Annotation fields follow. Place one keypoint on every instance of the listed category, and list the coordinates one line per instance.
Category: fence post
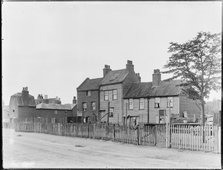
(155, 134)
(168, 139)
(138, 136)
(216, 139)
(88, 130)
(114, 132)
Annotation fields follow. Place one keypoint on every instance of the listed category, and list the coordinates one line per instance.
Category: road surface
(35, 150)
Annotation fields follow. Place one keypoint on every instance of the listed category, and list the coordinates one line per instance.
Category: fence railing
(8, 125)
(180, 136)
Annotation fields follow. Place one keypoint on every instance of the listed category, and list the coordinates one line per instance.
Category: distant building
(45, 99)
(56, 113)
(23, 99)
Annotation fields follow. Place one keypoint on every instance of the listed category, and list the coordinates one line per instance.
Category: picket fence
(176, 136)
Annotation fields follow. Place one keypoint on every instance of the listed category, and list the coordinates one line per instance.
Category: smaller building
(56, 113)
(19, 100)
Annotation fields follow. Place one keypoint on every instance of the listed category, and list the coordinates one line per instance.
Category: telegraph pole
(108, 112)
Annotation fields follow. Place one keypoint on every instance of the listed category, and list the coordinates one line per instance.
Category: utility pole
(108, 112)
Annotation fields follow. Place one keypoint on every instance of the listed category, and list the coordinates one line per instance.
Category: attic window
(88, 93)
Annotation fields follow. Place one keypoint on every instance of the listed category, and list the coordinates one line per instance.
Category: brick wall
(117, 104)
(82, 97)
(154, 112)
(143, 114)
(47, 114)
(26, 113)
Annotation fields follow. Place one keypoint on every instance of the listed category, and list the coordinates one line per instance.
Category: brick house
(150, 102)
(88, 99)
(93, 95)
(19, 100)
(113, 86)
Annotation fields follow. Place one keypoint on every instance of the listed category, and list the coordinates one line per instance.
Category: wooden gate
(153, 134)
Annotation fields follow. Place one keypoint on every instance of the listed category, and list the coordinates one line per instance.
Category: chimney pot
(156, 77)
(106, 70)
(129, 65)
(139, 77)
(74, 100)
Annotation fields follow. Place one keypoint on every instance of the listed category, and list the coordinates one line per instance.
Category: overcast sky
(52, 47)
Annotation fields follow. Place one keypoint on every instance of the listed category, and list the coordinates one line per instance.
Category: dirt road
(34, 150)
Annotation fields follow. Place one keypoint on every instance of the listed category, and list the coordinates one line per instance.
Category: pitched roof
(90, 84)
(30, 101)
(53, 106)
(145, 89)
(115, 76)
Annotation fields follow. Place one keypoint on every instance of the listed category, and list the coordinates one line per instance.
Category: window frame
(106, 91)
(157, 102)
(92, 108)
(83, 108)
(88, 93)
(130, 108)
(115, 94)
(110, 95)
(168, 102)
(141, 103)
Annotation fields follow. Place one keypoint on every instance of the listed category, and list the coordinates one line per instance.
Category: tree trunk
(203, 119)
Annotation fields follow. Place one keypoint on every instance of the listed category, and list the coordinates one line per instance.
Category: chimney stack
(106, 70)
(129, 65)
(139, 77)
(74, 100)
(156, 77)
(25, 91)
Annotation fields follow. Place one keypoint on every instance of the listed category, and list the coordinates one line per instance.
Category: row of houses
(120, 97)
(117, 97)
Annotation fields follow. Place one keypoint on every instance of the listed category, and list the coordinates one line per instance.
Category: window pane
(130, 103)
(157, 100)
(141, 103)
(94, 106)
(170, 102)
(114, 94)
(106, 95)
(84, 105)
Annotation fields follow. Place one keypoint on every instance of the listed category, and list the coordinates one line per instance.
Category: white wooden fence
(191, 137)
